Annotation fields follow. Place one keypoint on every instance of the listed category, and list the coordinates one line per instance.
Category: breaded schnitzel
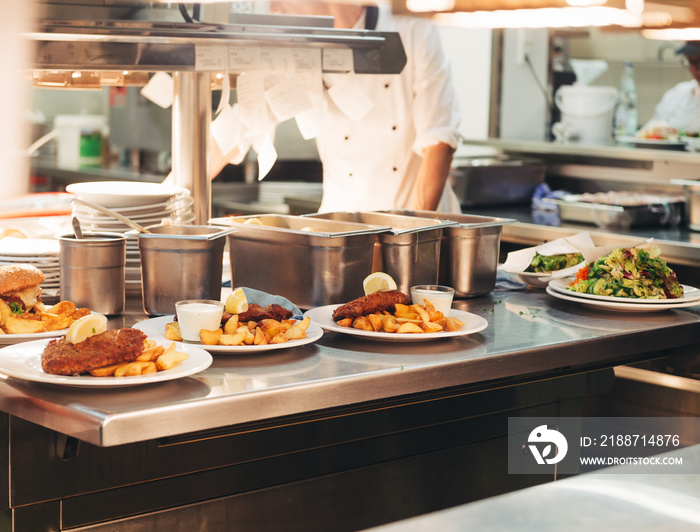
(257, 312)
(104, 349)
(377, 302)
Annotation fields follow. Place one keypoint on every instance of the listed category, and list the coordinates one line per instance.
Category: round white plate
(690, 294)
(621, 306)
(9, 339)
(23, 361)
(323, 316)
(663, 144)
(123, 193)
(155, 328)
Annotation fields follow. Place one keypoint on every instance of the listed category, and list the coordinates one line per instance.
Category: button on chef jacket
(371, 164)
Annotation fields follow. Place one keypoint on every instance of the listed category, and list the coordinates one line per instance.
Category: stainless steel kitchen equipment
(493, 180)
(664, 212)
(92, 271)
(468, 251)
(180, 262)
(692, 196)
(409, 252)
(311, 262)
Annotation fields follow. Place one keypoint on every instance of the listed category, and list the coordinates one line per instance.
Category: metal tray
(468, 252)
(605, 215)
(409, 251)
(311, 262)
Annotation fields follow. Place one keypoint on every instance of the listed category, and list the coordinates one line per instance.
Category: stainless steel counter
(615, 500)
(530, 336)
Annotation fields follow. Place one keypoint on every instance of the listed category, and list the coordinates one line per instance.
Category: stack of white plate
(145, 203)
(39, 252)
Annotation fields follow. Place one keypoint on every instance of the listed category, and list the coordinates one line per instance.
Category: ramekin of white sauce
(194, 315)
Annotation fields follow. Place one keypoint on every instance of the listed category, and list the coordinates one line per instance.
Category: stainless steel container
(495, 180)
(311, 262)
(468, 251)
(92, 271)
(180, 262)
(409, 251)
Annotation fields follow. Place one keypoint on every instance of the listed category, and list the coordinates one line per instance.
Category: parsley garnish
(16, 308)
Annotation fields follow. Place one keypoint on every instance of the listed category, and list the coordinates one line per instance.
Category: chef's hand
(432, 176)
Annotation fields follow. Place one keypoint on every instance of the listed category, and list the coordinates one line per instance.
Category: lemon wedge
(85, 327)
(378, 282)
(236, 302)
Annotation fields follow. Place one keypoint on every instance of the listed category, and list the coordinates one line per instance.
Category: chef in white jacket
(680, 105)
(398, 155)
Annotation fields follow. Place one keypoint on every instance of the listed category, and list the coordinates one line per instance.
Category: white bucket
(79, 140)
(586, 114)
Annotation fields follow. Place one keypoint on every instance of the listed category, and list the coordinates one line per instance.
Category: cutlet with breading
(104, 349)
(257, 312)
(377, 302)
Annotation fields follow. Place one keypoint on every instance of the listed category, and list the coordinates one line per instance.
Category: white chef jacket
(680, 107)
(371, 163)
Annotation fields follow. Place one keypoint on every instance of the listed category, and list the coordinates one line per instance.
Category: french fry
(106, 371)
(172, 331)
(362, 323)
(5, 312)
(431, 327)
(15, 325)
(236, 338)
(231, 325)
(304, 324)
(62, 307)
(170, 360)
(389, 323)
(132, 369)
(451, 324)
(345, 322)
(210, 337)
(409, 327)
(422, 313)
(376, 321)
(151, 354)
(280, 338)
(270, 327)
(261, 338)
(295, 332)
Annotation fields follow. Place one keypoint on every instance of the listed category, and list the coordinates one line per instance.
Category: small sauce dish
(194, 315)
(439, 296)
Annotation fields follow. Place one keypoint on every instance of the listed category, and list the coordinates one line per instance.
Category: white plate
(9, 339)
(123, 193)
(155, 328)
(663, 144)
(620, 306)
(323, 316)
(538, 280)
(690, 294)
(23, 361)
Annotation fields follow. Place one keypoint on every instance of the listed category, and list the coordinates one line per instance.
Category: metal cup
(92, 271)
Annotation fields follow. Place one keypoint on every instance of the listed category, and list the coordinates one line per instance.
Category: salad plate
(323, 317)
(621, 304)
(691, 295)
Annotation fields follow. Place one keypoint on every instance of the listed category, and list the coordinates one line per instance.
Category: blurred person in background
(398, 155)
(680, 105)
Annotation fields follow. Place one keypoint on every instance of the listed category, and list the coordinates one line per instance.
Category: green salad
(629, 272)
(551, 263)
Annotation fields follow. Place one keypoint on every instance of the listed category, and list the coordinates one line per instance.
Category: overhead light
(563, 17)
(673, 34)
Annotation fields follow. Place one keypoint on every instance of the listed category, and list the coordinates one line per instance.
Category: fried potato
(170, 360)
(400, 307)
(389, 323)
(412, 316)
(295, 332)
(345, 322)
(248, 337)
(106, 371)
(132, 369)
(80, 312)
(430, 327)
(151, 353)
(304, 324)
(362, 323)
(270, 327)
(62, 307)
(376, 321)
(409, 327)
(236, 338)
(279, 338)
(16, 325)
(451, 324)
(172, 331)
(5, 312)
(231, 325)
(210, 337)
(261, 338)
(422, 313)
